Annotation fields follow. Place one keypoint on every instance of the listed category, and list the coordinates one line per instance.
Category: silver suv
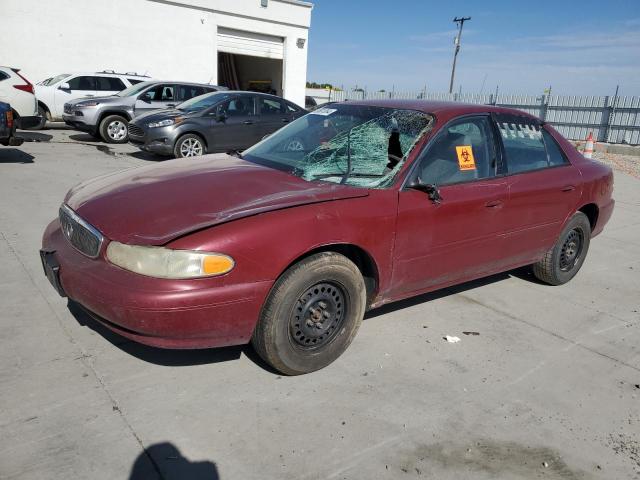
(108, 117)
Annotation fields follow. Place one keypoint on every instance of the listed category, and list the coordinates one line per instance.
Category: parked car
(289, 248)
(54, 92)
(8, 126)
(108, 117)
(216, 122)
(17, 91)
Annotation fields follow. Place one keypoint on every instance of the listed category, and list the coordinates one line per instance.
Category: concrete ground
(550, 388)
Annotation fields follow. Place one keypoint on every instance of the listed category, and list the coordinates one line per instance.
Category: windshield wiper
(342, 174)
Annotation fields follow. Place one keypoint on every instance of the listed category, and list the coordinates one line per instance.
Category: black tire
(189, 145)
(563, 261)
(113, 129)
(285, 339)
(44, 115)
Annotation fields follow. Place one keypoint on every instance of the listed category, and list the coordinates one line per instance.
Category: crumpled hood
(153, 205)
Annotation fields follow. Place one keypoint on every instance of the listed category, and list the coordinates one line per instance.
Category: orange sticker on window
(465, 158)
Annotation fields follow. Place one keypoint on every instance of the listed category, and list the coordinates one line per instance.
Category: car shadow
(147, 156)
(164, 461)
(162, 356)
(85, 138)
(13, 155)
(28, 136)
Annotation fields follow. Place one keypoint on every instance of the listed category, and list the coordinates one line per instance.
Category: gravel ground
(625, 163)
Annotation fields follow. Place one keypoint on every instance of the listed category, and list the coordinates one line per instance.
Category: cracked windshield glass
(357, 145)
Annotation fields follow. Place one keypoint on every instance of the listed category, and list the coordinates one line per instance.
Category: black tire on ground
(113, 129)
(44, 115)
(563, 261)
(189, 145)
(311, 315)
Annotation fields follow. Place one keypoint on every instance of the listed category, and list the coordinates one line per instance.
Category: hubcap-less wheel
(571, 249)
(317, 316)
(191, 147)
(117, 130)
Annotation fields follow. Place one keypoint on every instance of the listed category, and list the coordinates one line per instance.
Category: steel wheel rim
(318, 316)
(191, 148)
(117, 130)
(571, 249)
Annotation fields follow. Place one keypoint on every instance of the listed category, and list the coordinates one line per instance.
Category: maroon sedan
(350, 207)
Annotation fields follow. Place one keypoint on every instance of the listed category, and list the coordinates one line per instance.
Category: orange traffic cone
(588, 148)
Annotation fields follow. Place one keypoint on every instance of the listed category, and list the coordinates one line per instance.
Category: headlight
(165, 123)
(163, 262)
(90, 103)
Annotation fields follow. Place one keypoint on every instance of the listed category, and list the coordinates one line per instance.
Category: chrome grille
(135, 130)
(67, 108)
(84, 238)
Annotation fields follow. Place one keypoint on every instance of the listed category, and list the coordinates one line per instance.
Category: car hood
(153, 205)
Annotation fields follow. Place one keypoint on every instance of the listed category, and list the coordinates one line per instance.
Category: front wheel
(189, 145)
(311, 315)
(563, 261)
(114, 129)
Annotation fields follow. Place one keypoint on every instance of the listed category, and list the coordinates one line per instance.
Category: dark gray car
(107, 117)
(215, 122)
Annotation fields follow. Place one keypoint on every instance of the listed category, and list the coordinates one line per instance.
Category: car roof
(451, 109)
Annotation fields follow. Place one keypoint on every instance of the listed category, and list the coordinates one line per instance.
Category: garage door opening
(246, 72)
(250, 61)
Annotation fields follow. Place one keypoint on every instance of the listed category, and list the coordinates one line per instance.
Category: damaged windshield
(358, 145)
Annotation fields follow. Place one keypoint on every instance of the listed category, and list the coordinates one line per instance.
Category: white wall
(48, 37)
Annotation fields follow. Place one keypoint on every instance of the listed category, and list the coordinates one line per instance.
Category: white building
(239, 43)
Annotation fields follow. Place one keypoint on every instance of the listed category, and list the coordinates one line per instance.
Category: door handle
(248, 122)
(569, 188)
(493, 204)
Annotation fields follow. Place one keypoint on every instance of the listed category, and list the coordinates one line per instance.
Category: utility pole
(460, 22)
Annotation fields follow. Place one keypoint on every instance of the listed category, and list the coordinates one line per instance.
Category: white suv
(54, 92)
(17, 91)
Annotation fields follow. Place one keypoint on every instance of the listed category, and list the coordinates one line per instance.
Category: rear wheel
(563, 261)
(189, 145)
(43, 114)
(311, 315)
(113, 129)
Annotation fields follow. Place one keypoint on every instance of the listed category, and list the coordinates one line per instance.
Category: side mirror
(171, 105)
(221, 116)
(64, 86)
(145, 97)
(429, 188)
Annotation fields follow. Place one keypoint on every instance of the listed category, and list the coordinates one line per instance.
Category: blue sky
(578, 47)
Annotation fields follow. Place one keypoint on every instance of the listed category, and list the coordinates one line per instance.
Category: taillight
(25, 88)
(9, 116)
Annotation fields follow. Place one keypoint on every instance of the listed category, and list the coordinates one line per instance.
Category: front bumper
(155, 140)
(198, 313)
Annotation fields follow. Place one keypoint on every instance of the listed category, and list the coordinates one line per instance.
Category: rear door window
(82, 83)
(464, 151)
(109, 84)
(523, 145)
(187, 92)
(554, 153)
(271, 106)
